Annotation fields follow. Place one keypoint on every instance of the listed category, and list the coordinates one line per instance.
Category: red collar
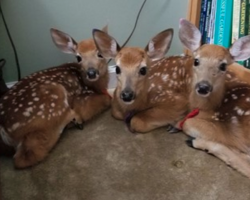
(105, 91)
(192, 114)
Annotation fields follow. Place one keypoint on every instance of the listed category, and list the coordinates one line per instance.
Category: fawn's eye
(196, 62)
(79, 58)
(99, 55)
(223, 67)
(117, 70)
(143, 71)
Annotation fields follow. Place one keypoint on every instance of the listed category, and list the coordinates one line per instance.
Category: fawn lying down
(35, 111)
(152, 91)
(223, 122)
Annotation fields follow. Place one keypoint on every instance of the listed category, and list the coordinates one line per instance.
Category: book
(203, 19)
(207, 21)
(247, 27)
(210, 34)
(223, 23)
(236, 20)
(242, 23)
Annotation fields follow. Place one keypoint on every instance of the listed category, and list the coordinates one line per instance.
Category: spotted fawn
(35, 111)
(223, 122)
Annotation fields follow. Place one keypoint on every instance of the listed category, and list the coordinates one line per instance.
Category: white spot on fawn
(234, 119)
(234, 96)
(164, 77)
(247, 113)
(15, 126)
(26, 114)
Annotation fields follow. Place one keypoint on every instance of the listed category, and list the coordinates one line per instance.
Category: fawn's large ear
(240, 49)
(106, 44)
(189, 35)
(105, 29)
(159, 45)
(63, 41)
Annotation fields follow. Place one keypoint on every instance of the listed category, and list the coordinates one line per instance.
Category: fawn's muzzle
(127, 95)
(92, 73)
(203, 88)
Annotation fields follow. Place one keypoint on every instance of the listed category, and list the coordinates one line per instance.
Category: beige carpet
(106, 162)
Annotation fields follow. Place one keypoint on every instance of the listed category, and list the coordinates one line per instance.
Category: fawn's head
(210, 61)
(92, 62)
(132, 63)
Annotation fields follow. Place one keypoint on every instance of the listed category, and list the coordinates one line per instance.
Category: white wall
(30, 20)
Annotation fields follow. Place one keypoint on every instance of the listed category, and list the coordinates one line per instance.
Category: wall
(29, 23)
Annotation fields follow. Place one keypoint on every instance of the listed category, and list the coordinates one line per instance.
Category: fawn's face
(209, 68)
(131, 62)
(92, 62)
(131, 70)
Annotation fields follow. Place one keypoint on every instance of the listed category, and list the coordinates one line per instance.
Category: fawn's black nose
(92, 73)
(127, 95)
(203, 88)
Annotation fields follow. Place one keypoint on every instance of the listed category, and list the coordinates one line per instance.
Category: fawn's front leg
(88, 106)
(153, 118)
(202, 128)
(116, 110)
(234, 158)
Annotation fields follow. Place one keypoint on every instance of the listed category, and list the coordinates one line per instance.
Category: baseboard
(10, 84)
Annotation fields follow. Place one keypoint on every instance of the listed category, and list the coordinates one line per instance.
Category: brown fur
(161, 96)
(35, 111)
(222, 125)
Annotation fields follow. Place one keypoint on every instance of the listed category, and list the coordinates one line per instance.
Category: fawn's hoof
(80, 126)
(189, 142)
(172, 129)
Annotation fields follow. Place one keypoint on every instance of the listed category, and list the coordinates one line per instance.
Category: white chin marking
(128, 103)
(203, 95)
(93, 79)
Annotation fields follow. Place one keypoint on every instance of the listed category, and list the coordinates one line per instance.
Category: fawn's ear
(159, 45)
(240, 49)
(105, 29)
(189, 35)
(63, 41)
(106, 44)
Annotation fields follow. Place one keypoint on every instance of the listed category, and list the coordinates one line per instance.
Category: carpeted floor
(106, 162)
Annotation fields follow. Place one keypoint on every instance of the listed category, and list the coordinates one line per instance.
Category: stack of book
(224, 21)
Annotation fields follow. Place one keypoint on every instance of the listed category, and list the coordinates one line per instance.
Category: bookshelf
(229, 19)
(194, 7)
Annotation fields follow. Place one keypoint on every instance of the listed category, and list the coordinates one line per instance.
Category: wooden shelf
(194, 11)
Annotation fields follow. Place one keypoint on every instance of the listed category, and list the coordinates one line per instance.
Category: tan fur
(161, 95)
(226, 107)
(222, 125)
(35, 111)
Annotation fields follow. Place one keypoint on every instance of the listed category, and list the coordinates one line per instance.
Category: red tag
(190, 115)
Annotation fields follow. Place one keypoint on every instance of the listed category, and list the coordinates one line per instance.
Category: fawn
(35, 111)
(152, 91)
(222, 123)
(148, 94)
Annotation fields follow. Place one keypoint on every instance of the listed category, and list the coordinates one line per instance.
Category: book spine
(203, 18)
(242, 23)
(207, 21)
(247, 62)
(210, 39)
(236, 20)
(223, 23)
